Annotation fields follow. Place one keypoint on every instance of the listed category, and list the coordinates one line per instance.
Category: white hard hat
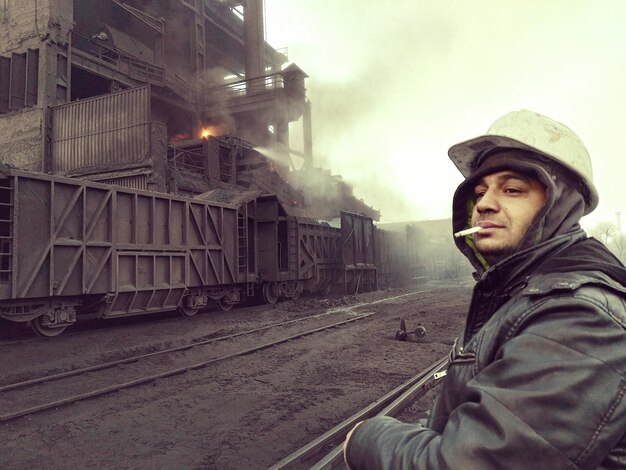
(530, 131)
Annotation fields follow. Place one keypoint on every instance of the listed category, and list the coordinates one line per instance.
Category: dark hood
(560, 215)
(587, 255)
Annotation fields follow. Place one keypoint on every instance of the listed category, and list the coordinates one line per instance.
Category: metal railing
(190, 160)
(136, 69)
(253, 86)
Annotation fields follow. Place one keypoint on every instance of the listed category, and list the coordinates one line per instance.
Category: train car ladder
(294, 246)
(242, 242)
(6, 231)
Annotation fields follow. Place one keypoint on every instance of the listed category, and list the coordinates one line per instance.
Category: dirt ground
(247, 412)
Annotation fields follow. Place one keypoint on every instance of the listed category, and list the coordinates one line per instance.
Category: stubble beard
(497, 253)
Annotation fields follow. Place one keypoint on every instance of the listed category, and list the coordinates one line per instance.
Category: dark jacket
(538, 379)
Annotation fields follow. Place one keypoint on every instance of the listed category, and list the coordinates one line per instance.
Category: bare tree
(604, 232)
(610, 236)
(619, 246)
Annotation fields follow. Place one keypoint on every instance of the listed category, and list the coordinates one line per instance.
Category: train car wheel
(268, 294)
(224, 305)
(188, 311)
(45, 330)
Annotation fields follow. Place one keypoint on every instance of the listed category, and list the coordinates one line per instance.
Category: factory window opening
(19, 76)
(86, 84)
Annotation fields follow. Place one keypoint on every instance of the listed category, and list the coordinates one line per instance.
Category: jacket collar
(508, 277)
(503, 276)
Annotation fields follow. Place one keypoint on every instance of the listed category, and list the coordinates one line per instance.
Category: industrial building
(177, 96)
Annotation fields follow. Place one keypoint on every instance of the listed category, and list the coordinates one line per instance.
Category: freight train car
(397, 259)
(70, 247)
(299, 254)
(296, 254)
(358, 252)
(391, 258)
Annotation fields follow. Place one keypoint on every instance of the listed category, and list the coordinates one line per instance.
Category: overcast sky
(395, 84)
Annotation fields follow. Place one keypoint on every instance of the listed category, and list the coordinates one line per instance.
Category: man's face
(506, 204)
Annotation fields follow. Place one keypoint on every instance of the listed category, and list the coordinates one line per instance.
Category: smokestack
(254, 37)
(307, 135)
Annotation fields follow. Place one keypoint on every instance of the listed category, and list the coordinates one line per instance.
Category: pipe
(254, 38)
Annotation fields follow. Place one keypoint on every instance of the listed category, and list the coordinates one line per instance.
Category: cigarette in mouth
(468, 231)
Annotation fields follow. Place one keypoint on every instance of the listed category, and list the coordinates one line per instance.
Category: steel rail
(179, 370)
(334, 459)
(390, 404)
(128, 360)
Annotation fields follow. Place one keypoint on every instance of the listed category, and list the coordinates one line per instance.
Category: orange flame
(211, 131)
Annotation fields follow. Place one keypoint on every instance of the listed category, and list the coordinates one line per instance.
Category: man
(537, 381)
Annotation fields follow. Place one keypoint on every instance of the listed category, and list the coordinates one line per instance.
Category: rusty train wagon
(70, 247)
(299, 254)
(296, 253)
(394, 255)
(358, 253)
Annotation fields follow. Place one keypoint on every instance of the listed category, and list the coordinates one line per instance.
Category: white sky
(395, 84)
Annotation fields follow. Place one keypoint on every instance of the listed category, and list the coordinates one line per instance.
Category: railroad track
(93, 323)
(391, 404)
(42, 393)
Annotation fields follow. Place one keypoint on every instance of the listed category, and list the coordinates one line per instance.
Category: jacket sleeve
(550, 397)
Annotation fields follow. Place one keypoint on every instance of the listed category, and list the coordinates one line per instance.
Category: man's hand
(345, 443)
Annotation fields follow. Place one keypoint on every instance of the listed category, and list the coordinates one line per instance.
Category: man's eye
(479, 194)
(512, 190)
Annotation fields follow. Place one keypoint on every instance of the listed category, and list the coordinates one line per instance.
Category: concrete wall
(21, 139)
(32, 24)
(26, 23)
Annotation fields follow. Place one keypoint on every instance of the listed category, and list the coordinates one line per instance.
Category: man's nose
(488, 202)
